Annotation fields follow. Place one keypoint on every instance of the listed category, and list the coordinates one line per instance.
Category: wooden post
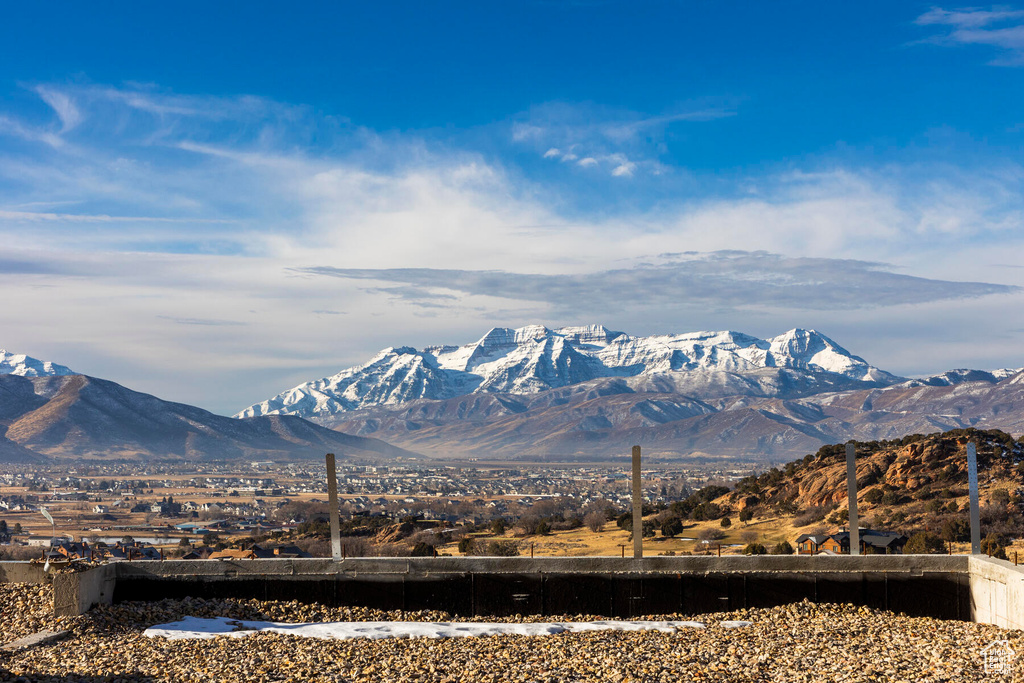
(851, 494)
(332, 499)
(638, 510)
(972, 485)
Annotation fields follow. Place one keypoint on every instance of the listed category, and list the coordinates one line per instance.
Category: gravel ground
(799, 642)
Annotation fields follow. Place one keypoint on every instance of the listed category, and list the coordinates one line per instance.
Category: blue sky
(215, 201)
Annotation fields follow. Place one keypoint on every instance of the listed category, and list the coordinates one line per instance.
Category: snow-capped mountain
(26, 366)
(534, 359)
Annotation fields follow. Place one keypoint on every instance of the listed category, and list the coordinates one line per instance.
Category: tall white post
(332, 500)
(851, 494)
(638, 508)
(972, 485)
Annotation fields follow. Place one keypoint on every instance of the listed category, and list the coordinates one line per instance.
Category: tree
(595, 521)
(184, 543)
(783, 548)
(746, 515)
(17, 528)
(726, 523)
(466, 545)
(923, 543)
(671, 527)
(3, 526)
(755, 549)
(957, 530)
(498, 526)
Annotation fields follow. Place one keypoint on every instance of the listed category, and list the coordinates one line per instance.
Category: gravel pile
(799, 642)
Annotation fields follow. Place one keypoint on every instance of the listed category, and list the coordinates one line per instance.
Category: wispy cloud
(63, 104)
(998, 27)
(722, 279)
(589, 136)
(201, 321)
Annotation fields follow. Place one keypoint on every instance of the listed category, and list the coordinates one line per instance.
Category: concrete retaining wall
(935, 586)
(950, 587)
(21, 572)
(997, 592)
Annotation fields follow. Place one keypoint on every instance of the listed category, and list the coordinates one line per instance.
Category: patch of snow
(197, 627)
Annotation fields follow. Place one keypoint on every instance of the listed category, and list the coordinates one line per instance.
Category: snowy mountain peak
(26, 366)
(534, 359)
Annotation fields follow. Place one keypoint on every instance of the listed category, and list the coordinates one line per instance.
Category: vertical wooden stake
(332, 499)
(638, 514)
(972, 485)
(851, 493)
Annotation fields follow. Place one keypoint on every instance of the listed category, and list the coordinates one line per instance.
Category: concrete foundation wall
(79, 592)
(950, 587)
(935, 586)
(997, 592)
(21, 572)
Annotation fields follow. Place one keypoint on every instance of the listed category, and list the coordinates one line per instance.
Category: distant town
(120, 509)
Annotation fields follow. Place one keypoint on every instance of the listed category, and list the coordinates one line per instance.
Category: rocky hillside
(910, 481)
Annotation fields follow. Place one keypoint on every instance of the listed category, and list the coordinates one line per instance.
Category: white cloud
(997, 27)
(603, 135)
(63, 104)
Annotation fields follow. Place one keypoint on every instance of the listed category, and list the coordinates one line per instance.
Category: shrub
(726, 523)
(503, 548)
(811, 515)
(873, 496)
(466, 545)
(993, 546)
(891, 498)
(422, 549)
(999, 497)
(783, 548)
(755, 549)
(924, 542)
(711, 534)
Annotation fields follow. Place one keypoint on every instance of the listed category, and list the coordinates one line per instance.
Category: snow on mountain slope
(535, 359)
(26, 366)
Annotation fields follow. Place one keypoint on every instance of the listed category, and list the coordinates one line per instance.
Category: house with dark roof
(872, 541)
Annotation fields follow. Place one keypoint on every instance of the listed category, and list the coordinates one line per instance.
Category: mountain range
(571, 393)
(76, 416)
(590, 393)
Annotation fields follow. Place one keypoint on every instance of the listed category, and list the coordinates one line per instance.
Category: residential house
(872, 541)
